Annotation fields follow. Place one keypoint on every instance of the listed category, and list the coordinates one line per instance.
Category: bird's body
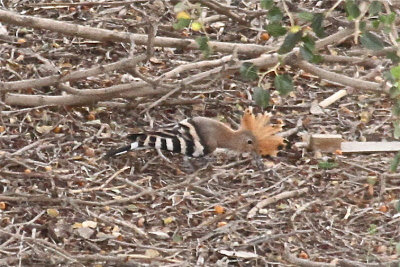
(199, 136)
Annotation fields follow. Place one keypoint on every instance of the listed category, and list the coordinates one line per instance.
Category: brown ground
(61, 204)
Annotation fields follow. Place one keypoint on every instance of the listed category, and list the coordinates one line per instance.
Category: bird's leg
(196, 164)
(258, 161)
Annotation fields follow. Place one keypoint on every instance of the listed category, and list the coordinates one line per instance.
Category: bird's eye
(249, 142)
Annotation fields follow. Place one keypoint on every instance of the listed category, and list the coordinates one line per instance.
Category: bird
(199, 136)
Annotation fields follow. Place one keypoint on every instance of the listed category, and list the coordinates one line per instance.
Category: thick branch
(112, 36)
(70, 100)
(338, 78)
(73, 76)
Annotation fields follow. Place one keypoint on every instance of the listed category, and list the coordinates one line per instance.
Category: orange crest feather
(268, 143)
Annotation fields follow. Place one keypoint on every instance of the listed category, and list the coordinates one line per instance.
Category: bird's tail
(136, 143)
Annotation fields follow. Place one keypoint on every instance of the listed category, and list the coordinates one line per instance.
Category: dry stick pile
(60, 197)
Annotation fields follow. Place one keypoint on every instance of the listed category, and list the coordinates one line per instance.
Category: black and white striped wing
(183, 138)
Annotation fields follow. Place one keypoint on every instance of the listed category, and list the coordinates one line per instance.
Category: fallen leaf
(168, 220)
(221, 224)
(159, 234)
(85, 232)
(152, 253)
(383, 208)
(219, 209)
(303, 255)
(48, 168)
(53, 213)
(77, 225)
(3, 205)
(44, 129)
(264, 36)
(90, 224)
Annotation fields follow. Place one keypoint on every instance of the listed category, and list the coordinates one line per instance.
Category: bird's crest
(263, 131)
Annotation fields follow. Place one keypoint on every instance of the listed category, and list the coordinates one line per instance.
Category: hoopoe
(200, 136)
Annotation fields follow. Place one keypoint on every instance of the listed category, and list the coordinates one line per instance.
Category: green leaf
(363, 26)
(395, 162)
(317, 59)
(352, 10)
(397, 206)
(306, 16)
(306, 53)
(326, 165)
(394, 91)
(388, 76)
(372, 229)
(275, 14)
(393, 57)
(261, 97)
(249, 71)
(375, 23)
(202, 42)
(395, 71)
(284, 84)
(371, 180)
(177, 238)
(396, 111)
(267, 4)
(275, 29)
(290, 41)
(387, 19)
(371, 41)
(375, 8)
(316, 24)
(396, 132)
(308, 42)
(181, 24)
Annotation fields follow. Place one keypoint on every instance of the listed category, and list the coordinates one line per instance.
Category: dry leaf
(219, 209)
(48, 168)
(77, 225)
(152, 253)
(85, 232)
(168, 220)
(381, 249)
(383, 208)
(90, 224)
(91, 116)
(365, 116)
(221, 224)
(57, 129)
(303, 255)
(44, 129)
(89, 152)
(159, 234)
(155, 60)
(3, 205)
(53, 213)
(264, 36)
(141, 222)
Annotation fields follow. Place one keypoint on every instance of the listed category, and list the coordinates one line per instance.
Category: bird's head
(258, 135)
